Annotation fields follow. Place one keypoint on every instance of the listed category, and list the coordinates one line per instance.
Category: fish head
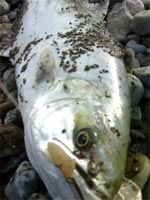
(75, 136)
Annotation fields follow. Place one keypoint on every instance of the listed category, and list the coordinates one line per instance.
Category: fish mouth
(72, 170)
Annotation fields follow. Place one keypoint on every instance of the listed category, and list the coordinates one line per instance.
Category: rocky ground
(129, 22)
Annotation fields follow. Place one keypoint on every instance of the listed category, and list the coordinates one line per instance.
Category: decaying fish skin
(74, 98)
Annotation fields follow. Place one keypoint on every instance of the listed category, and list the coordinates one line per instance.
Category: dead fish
(73, 97)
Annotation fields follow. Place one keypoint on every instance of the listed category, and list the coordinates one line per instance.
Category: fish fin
(46, 67)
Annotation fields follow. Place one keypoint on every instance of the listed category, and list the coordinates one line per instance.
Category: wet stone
(4, 27)
(140, 23)
(143, 73)
(134, 37)
(4, 7)
(136, 117)
(23, 183)
(4, 19)
(13, 116)
(136, 89)
(138, 48)
(12, 141)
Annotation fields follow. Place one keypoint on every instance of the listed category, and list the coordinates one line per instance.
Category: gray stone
(10, 83)
(146, 4)
(13, 116)
(130, 61)
(141, 23)
(136, 117)
(4, 27)
(23, 183)
(4, 7)
(12, 15)
(138, 48)
(133, 37)
(145, 40)
(9, 72)
(136, 89)
(4, 19)
(143, 73)
(118, 23)
(134, 6)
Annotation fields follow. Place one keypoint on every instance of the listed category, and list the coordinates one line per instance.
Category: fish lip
(85, 176)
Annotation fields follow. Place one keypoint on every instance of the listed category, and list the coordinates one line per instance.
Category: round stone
(141, 23)
(136, 89)
(138, 48)
(4, 7)
(133, 37)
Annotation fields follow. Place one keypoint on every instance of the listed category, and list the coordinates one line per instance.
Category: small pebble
(143, 73)
(4, 7)
(23, 183)
(138, 48)
(4, 27)
(12, 15)
(4, 19)
(13, 116)
(136, 89)
(141, 23)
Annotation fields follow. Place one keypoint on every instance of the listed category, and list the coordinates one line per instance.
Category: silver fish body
(73, 97)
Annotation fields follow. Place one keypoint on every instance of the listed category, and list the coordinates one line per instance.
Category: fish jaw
(55, 124)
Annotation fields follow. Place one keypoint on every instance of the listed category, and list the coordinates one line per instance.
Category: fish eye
(84, 139)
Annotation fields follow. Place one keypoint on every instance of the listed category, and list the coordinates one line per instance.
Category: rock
(11, 139)
(136, 117)
(137, 134)
(136, 89)
(118, 23)
(134, 6)
(14, 117)
(141, 22)
(119, 18)
(12, 15)
(10, 83)
(134, 37)
(128, 190)
(138, 169)
(143, 73)
(146, 4)
(145, 40)
(5, 107)
(4, 7)
(23, 183)
(138, 48)
(4, 19)
(130, 60)
(140, 57)
(38, 196)
(4, 28)
(9, 72)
